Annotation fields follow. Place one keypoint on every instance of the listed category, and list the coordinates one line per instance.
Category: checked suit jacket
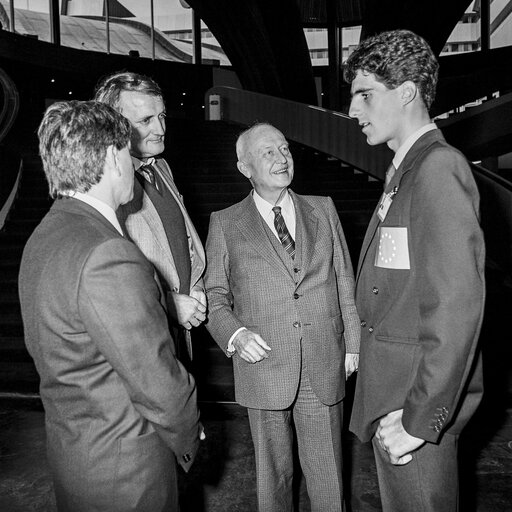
(303, 308)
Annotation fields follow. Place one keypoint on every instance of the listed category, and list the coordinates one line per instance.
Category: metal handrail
(11, 104)
(325, 130)
(338, 135)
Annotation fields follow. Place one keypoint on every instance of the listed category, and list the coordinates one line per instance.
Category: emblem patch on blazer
(393, 250)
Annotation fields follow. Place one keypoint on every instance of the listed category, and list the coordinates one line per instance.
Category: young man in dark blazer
(120, 409)
(280, 290)
(420, 282)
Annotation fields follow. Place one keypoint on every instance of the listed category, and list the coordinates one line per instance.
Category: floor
(223, 477)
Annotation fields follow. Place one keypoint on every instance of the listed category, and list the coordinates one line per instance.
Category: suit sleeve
(222, 322)
(119, 305)
(447, 244)
(346, 284)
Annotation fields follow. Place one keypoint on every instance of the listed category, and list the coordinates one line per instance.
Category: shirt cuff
(231, 350)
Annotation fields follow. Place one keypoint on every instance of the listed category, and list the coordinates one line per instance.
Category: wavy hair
(395, 57)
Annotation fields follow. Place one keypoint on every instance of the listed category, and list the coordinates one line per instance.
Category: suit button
(296, 324)
(363, 323)
(370, 329)
(296, 269)
(375, 290)
(296, 295)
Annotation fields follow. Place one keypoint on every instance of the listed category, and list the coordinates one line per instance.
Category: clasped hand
(394, 440)
(189, 310)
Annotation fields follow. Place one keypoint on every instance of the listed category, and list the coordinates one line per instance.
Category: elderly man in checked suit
(156, 219)
(280, 288)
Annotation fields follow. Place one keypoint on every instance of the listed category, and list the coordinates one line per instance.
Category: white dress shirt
(404, 148)
(287, 211)
(101, 207)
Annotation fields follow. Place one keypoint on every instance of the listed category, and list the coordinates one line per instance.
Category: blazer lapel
(199, 258)
(407, 164)
(250, 224)
(306, 229)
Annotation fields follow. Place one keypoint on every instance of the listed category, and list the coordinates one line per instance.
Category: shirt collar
(138, 163)
(265, 208)
(101, 207)
(407, 145)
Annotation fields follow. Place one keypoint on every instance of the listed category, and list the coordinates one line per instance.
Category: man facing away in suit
(120, 408)
(420, 282)
(280, 290)
(156, 219)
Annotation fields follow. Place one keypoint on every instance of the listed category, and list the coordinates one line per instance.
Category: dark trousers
(429, 483)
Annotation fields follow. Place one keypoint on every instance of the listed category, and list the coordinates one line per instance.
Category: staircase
(202, 156)
(17, 371)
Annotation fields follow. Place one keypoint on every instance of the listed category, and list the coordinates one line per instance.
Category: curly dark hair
(395, 57)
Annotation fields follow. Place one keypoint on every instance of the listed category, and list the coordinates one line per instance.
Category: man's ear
(409, 91)
(111, 159)
(244, 169)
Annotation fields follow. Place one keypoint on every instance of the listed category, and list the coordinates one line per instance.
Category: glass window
(83, 26)
(316, 39)
(465, 37)
(501, 23)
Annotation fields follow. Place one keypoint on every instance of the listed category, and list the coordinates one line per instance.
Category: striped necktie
(389, 174)
(149, 173)
(284, 235)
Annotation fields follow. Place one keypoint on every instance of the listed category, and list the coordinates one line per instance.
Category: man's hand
(250, 346)
(187, 310)
(394, 440)
(198, 294)
(351, 364)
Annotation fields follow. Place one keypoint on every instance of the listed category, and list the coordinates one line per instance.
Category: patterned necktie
(389, 174)
(149, 173)
(284, 235)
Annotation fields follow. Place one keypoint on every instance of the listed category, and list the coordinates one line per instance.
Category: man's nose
(159, 126)
(282, 157)
(353, 111)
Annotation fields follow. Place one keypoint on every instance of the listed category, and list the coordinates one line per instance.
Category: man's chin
(150, 150)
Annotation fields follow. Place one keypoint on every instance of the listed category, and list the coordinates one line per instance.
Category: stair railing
(338, 135)
(8, 111)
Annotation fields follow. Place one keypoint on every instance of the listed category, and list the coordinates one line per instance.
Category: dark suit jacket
(115, 397)
(303, 304)
(421, 325)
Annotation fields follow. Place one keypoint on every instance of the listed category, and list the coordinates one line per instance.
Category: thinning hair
(243, 138)
(73, 141)
(109, 88)
(395, 57)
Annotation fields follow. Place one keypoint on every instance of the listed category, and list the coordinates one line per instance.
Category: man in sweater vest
(156, 218)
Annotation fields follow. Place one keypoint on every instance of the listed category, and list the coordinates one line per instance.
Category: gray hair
(73, 141)
(110, 87)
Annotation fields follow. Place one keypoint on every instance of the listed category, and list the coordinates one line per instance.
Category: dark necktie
(389, 174)
(284, 235)
(150, 175)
